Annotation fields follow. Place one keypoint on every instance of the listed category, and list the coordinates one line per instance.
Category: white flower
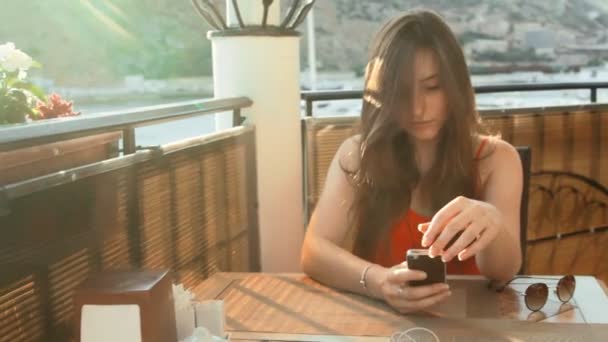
(6, 49)
(16, 60)
(22, 74)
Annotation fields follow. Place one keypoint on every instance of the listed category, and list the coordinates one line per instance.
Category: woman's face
(429, 110)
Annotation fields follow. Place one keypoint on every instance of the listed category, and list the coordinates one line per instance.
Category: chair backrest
(525, 154)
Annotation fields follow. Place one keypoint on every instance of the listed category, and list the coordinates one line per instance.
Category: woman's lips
(421, 123)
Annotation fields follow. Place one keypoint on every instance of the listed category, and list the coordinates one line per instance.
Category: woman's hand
(395, 291)
(477, 223)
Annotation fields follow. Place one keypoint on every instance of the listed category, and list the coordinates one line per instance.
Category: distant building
(545, 52)
(492, 25)
(540, 39)
(566, 36)
(521, 28)
(486, 45)
(591, 51)
(573, 59)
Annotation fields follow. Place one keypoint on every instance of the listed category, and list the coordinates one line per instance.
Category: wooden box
(106, 304)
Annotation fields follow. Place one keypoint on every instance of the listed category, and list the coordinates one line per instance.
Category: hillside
(344, 28)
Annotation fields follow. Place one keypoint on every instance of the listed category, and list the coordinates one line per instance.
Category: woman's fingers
(423, 227)
(430, 301)
(414, 293)
(468, 236)
(400, 276)
(476, 247)
(454, 227)
(441, 218)
(398, 294)
(405, 305)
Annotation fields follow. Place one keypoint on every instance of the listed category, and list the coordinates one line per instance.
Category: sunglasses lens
(565, 288)
(536, 296)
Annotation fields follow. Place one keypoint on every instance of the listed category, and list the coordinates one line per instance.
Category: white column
(266, 69)
(252, 12)
(312, 57)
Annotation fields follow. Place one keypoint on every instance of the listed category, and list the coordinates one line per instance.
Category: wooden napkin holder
(147, 292)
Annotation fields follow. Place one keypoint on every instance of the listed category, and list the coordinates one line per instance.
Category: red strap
(480, 148)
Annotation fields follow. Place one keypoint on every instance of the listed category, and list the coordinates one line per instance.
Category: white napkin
(198, 321)
(184, 311)
(210, 314)
(100, 323)
(201, 334)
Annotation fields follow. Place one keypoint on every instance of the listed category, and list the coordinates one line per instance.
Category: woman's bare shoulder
(496, 152)
(348, 154)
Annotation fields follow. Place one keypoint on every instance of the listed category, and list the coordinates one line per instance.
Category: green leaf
(38, 92)
(32, 88)
(36, 64)
(12, 74)
(18, 96)
(14, 82)
(15, 111)
(35, 114)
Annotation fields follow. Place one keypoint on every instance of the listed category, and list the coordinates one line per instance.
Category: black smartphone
(419, 259)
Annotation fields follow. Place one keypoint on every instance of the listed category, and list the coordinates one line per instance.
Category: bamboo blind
(189, 211)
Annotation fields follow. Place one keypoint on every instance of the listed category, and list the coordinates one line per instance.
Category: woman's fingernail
(445, 258)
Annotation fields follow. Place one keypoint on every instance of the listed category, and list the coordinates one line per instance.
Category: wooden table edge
(261, 336)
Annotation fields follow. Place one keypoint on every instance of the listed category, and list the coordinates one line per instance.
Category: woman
(418, 175)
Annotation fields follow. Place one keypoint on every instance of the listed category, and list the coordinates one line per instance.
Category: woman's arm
(323, 258)
(491, 227)
(501, 259)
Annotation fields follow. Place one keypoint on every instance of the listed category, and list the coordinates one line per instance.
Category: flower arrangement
(55, 107)
(20, 100)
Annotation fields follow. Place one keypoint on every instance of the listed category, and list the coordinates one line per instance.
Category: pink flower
(55, 107)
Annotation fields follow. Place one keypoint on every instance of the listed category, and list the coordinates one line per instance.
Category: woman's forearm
(332, 265)
(501, 259)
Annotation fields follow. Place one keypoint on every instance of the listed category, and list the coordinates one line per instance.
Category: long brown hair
(387, 172)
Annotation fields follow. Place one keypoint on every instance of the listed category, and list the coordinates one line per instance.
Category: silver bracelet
(363, 280)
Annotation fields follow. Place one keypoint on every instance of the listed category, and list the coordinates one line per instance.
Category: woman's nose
(419, 106)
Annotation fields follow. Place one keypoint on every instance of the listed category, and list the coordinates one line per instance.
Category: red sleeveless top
(404, 235)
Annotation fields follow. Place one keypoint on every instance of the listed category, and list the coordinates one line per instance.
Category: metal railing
(314, 96)
(18, 136)
(31, 134)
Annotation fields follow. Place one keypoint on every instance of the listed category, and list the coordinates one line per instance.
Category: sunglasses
(536, 294)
